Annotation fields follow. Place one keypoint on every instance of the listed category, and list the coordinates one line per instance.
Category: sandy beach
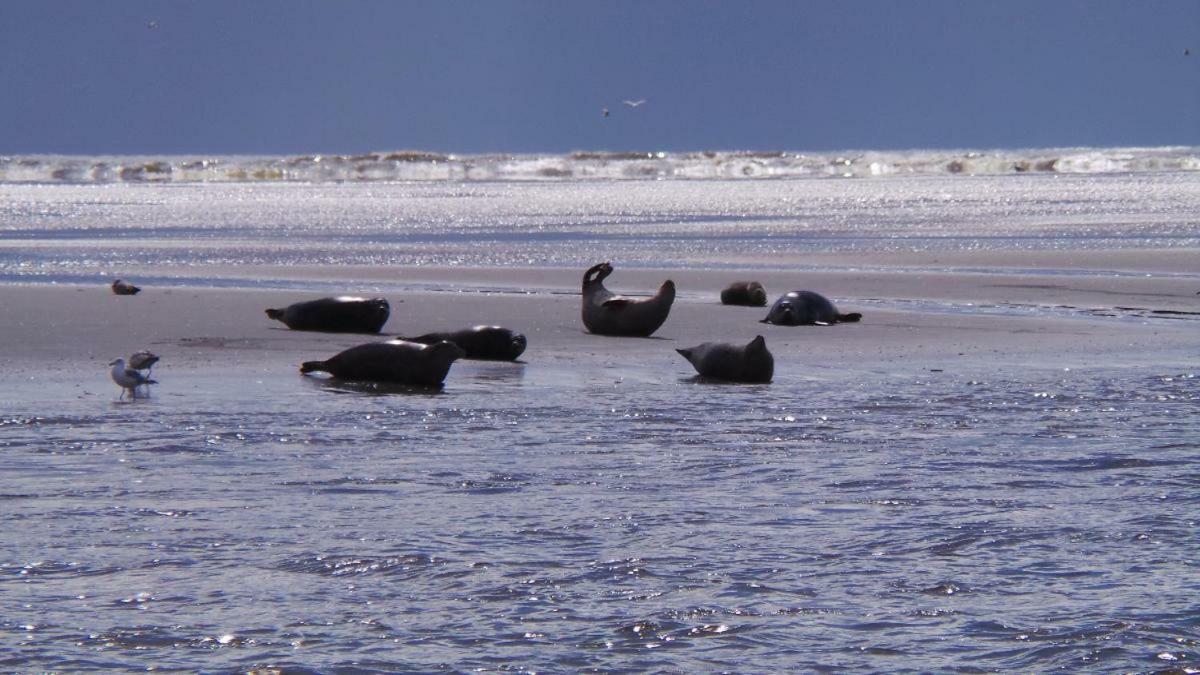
(1130, 311)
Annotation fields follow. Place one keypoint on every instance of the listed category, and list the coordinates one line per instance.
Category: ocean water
(546, 517)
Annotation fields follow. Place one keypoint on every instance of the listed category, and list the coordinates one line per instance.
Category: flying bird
(604, 111)
(634, 104)
(128, 379)
(152, 25)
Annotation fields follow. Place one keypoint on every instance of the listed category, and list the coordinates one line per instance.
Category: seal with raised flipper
(606, 313)
(396, 361)
(747, 293)
(751, 362)
(489, 343)
(806, 308)
(343, 314)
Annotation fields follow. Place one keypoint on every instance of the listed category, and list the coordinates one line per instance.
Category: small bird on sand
(129, 379)
(122, 288)
(634, 104)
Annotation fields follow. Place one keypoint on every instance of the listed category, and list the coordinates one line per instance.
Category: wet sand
(1112, 314)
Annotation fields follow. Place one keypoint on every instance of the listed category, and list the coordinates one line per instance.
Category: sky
(523, 76)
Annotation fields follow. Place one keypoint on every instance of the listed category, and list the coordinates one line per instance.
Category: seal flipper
(276, 314)
(849, 318)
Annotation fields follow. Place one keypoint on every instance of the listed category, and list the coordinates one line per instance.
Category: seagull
(143, 360)
(121, 288)
(634, 104)
(128, 378)
(605, 111)
(152, 25)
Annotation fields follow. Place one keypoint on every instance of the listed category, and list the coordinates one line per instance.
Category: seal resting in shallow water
(806, 308)
(335, 315)
(736, 363)
(490, 343)
(606, 313)
(395, 361)
(748, 293)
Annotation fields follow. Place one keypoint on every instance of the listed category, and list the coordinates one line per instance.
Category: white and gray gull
(128, 378)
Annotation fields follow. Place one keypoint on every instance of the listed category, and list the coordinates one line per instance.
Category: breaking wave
(584, 166)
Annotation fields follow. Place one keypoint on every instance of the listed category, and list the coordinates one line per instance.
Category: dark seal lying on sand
(606, 313)
(735, 363)
(335, 315)
(124, 288)
(394, 361)
(747, 293)
(489, 343)
(806, 308)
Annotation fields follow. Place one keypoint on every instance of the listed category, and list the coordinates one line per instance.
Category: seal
(335, 315)
(488, 343)
(748, 293)
(806, 308)
(395, 361)
(725, 361)
(124, 288)
(605, 313)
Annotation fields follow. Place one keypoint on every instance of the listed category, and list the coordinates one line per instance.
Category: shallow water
(543, 516)
(79, 233)
(534, 517)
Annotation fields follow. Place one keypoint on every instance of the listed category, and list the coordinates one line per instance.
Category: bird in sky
(604, 111)
(634, 104)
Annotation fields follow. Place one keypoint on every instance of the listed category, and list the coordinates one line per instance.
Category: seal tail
(849, 318)
(310, 366)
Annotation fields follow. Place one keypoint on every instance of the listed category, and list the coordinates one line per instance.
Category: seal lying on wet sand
(335, 315)
(806, 308)
(392, 361)
(124, 288)
(724, 361)
(491, 343)
(748, 293)
(606, 313)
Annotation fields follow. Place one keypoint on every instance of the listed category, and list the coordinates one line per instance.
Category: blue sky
(92, 77)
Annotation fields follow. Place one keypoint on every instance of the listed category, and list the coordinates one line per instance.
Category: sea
(535, 518)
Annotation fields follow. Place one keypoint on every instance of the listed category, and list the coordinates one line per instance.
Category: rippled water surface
(79, 232)
(543, 516)
(540, 519)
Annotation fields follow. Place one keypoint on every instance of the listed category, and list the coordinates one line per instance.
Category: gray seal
(734, 363)
(605, 313)
(395, 361)
(124, 288)
(335, 315)
(488, 343)
(747, 293)
(806, 308)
